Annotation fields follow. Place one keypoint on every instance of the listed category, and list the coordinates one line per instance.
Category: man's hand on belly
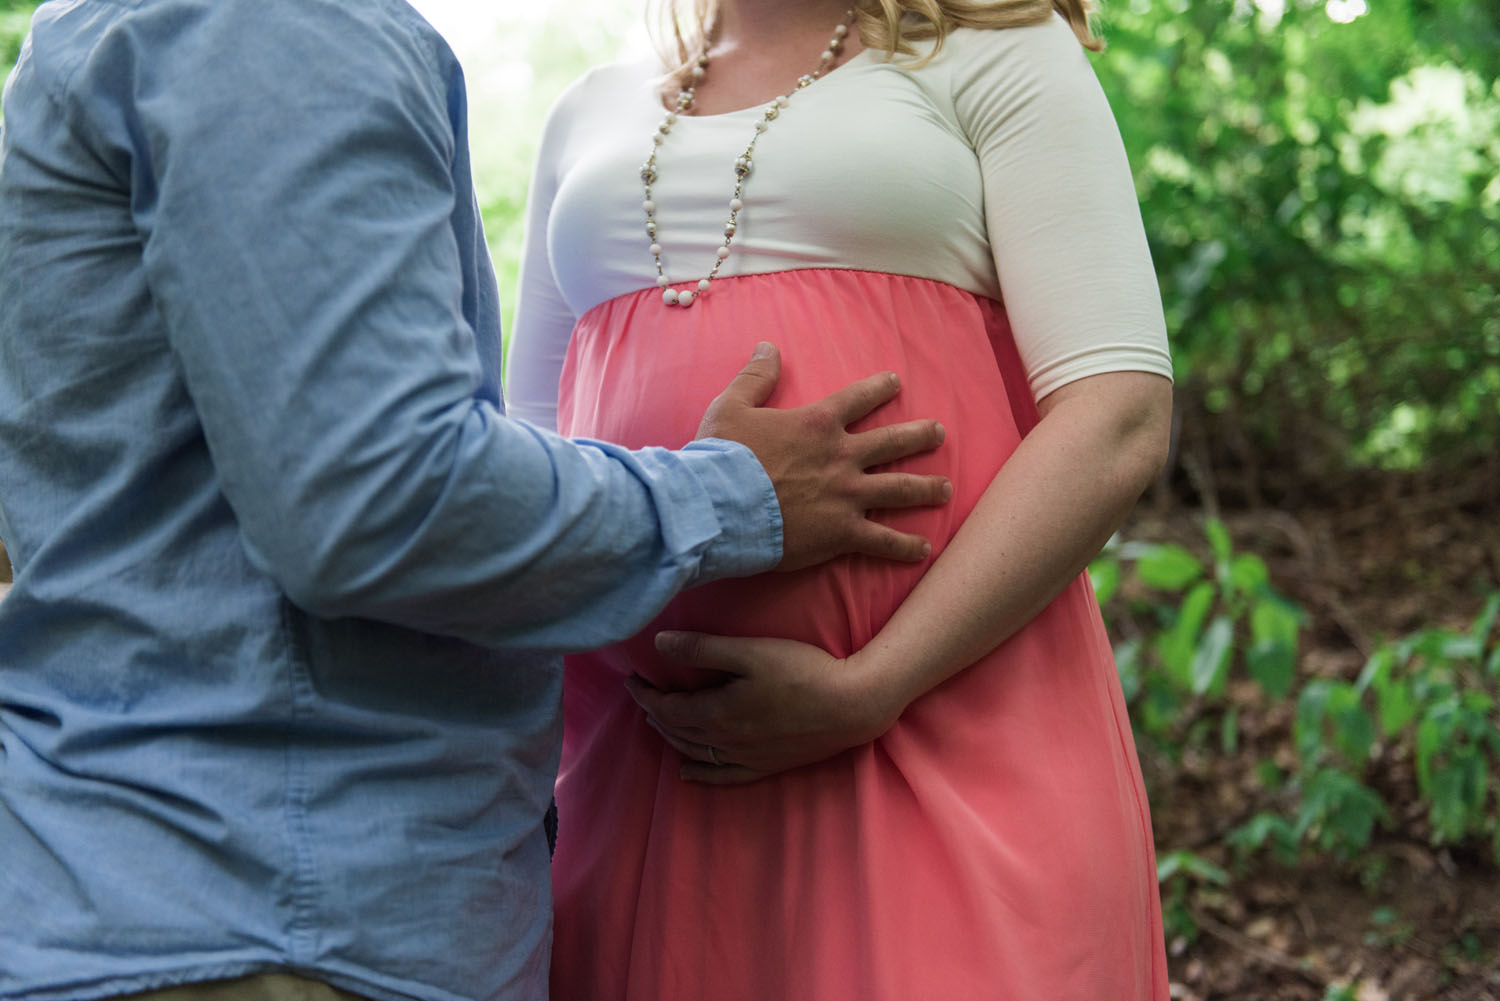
(821, 471)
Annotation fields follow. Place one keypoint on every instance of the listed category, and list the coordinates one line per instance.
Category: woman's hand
(787, 704)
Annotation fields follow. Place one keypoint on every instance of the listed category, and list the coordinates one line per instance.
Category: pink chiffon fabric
(995, 844)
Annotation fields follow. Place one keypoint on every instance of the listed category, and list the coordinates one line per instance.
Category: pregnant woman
(937, 188)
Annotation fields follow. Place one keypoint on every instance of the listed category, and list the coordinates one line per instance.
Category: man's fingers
(753, 386)
(878, 446)
(888, 544)
(898, 490)
(858, 399)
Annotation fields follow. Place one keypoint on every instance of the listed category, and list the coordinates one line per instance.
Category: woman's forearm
(1050, 509)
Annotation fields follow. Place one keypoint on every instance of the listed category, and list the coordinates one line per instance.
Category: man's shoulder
(226, 32)
(113, 52)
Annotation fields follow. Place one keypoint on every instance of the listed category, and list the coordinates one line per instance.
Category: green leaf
(1448, 812)
(1248, 574)
(1168, 567)
(1211, 661)
(1128, 664)
(1486, 619)
(1263, 829)
(1104, 574)
(1274, 665)
(1340, 811)
(1433, 645)
(1429, 743)
(1307, 728)
(1274, 619)
(1190, 864)
(1460, 647)
(1269, 774)
(1229, 731)
(1178, 646)
(1218, 541)
(1354, 733)
(1377, 670)
(1396, 708)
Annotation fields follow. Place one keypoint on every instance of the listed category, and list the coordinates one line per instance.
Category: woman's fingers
(717, 775)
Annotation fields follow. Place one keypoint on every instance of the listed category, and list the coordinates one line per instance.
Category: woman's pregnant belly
(641, 374)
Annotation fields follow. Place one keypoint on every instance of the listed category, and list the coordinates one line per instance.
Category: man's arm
(292, 177)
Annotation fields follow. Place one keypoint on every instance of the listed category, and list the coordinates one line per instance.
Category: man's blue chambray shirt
(272, 688)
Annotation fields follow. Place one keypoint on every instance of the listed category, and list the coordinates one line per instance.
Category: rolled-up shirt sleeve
(297, 216)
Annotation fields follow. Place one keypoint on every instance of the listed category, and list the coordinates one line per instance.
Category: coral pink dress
(996, 842)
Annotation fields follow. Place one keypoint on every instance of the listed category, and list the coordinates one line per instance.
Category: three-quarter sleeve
(1060, 208)
(544, 323)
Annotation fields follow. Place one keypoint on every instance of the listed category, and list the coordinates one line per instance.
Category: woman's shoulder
(1044, 41)
(1043, 49)
(996, 71)
(606, 88)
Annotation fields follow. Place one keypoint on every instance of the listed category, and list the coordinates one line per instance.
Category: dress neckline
(760, 106)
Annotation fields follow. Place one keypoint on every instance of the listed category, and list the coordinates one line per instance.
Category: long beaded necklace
(742, 165)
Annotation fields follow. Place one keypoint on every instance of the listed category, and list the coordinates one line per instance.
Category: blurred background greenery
(1318, 180)
(1304, 608)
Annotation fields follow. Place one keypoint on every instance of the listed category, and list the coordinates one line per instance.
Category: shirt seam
(302, 934)
(842, 269)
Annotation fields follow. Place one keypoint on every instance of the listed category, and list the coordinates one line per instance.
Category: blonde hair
(892, 25)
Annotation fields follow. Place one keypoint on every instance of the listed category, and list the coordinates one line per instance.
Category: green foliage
(1182, 876)
(1438, 685)
(1387, 928)
(15, 19)
(1191, 626)
(1324, 214)
(1320, 199)
(526, 64)
(1221, 614)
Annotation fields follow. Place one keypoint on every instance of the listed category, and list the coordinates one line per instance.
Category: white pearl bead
(649, 206)
(702, 285)
(841, 30)
(827, 55)
(663, 281)
(761, 126)
(723, 253)
(671, 118)
(658, 138)
(656, 250)
(669, 297)
(685, 298)
(699, 72)
(782, 101)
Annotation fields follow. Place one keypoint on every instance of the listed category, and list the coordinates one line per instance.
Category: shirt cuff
(744, 501)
